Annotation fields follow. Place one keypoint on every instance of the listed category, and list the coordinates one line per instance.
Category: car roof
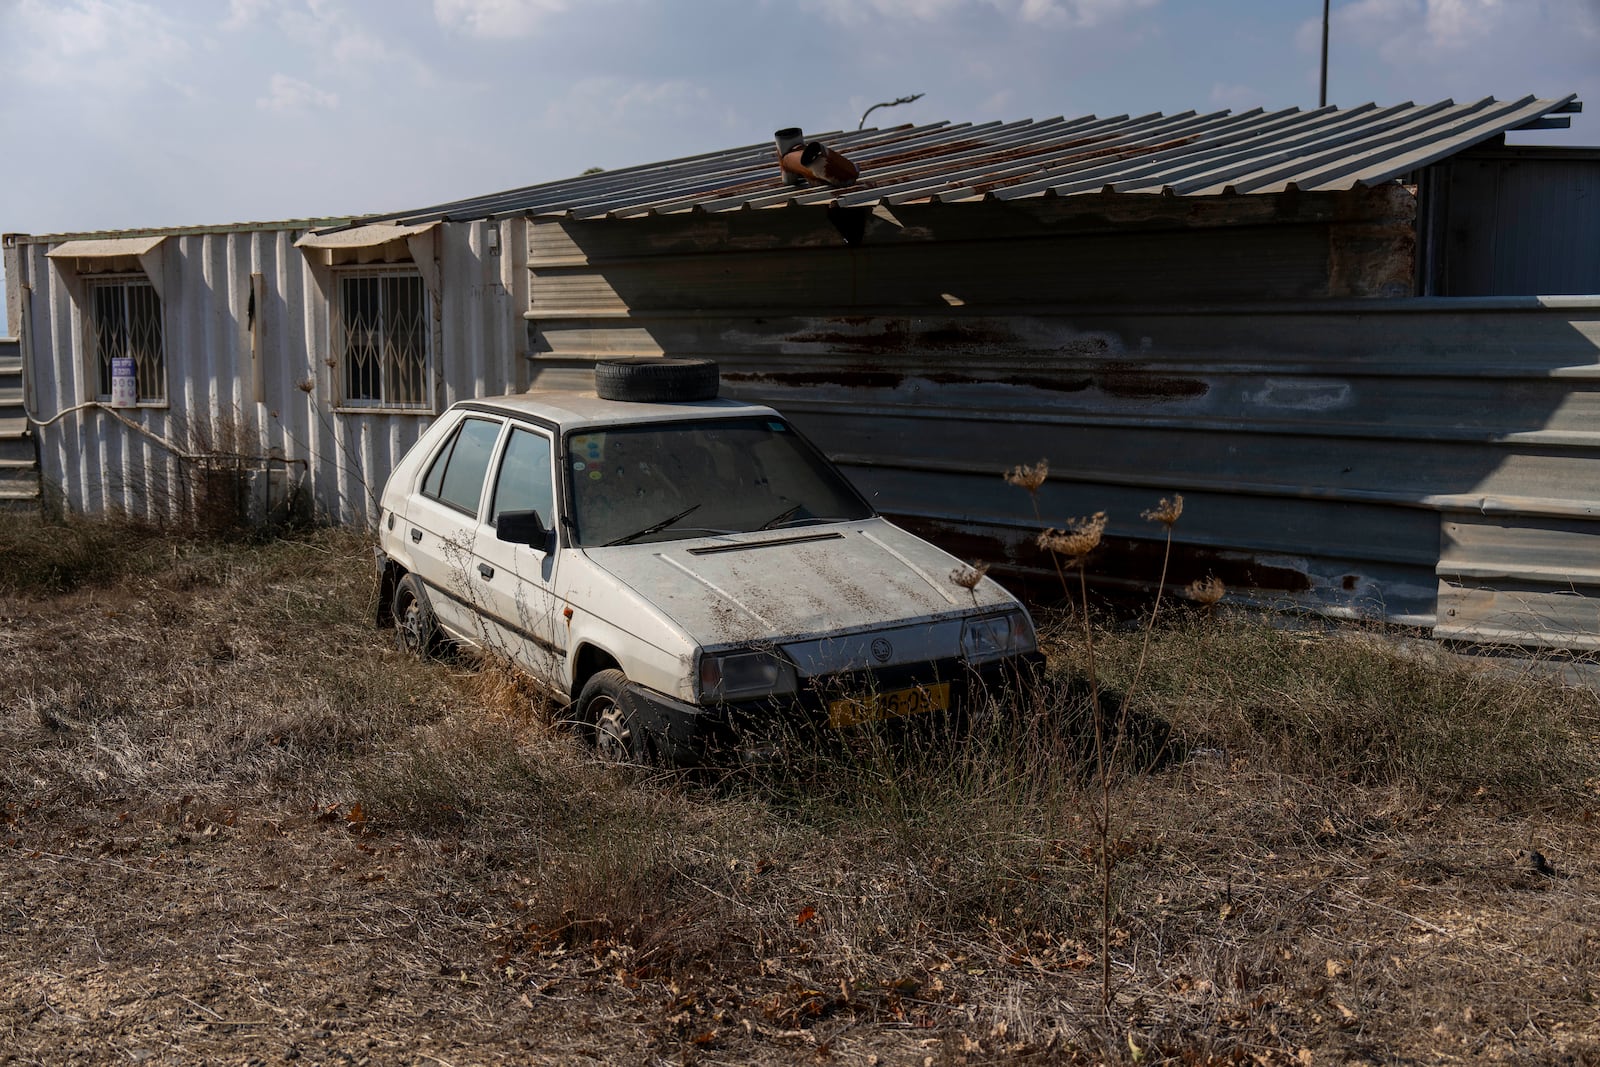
(571, 410)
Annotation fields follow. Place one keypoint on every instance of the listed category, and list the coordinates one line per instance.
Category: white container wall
(251, 372)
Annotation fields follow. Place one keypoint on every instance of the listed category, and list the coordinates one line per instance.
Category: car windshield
(672, 480)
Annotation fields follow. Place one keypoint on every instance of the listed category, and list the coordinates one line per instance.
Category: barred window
(382, 339)
(125, 318)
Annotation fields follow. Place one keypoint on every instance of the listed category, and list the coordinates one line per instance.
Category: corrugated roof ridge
(1025, 141)
(1290, 123)
(1119, 144)
(1328, 149)
(871, 176)
(766, 179)
(760, 174)
(1421, 153)
(1182, 154)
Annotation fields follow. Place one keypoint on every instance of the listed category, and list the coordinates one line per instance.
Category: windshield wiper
(653, 528)
(779, 519)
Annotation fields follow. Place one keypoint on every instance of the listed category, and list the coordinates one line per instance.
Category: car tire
(611, 728)
(656, 379)
(415, 630)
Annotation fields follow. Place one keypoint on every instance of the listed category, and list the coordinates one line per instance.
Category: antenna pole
(1322, 98)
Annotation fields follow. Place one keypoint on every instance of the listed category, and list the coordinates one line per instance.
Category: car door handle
(416, 534)
(486, 570)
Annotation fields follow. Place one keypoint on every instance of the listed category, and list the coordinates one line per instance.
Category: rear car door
(442, 523)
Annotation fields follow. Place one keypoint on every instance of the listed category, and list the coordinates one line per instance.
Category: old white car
(680, 571)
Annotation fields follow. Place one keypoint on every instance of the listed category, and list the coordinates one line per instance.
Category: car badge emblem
(881, 649)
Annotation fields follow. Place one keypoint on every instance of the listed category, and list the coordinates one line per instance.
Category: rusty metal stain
(897, 335)
(1064, 383)
(1116, 152)
(848, 378)
(1128, 383)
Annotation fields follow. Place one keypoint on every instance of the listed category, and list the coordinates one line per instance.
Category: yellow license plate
(893, 705)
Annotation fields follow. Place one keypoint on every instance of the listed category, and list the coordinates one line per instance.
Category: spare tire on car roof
(656, 379)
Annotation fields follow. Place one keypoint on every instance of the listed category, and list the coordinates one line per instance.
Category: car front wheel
(600, 708)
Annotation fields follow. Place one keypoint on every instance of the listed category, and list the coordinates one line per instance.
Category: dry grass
(237, 823)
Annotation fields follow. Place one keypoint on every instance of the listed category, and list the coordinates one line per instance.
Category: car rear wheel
(600, 707)
(415, 630)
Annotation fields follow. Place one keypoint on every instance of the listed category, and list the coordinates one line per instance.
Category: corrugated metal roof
(1190, 154)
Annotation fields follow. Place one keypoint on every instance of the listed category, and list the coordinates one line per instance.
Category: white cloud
(243, 13)
(617, 102)
(99, 43)
(495, 18)
(1465, 50)
(1448, 31)
(325, 30)
(342, 48)
(856, 12)
(1076, 14)
(288, 95)
(1079, 14)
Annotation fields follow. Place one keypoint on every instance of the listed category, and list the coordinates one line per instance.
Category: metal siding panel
(1317, 444)
(1522, 225)
(1285, 262)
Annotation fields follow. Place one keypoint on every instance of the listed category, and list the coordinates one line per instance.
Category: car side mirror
(525, 528)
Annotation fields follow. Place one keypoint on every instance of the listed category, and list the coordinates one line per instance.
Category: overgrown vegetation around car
(212, 767)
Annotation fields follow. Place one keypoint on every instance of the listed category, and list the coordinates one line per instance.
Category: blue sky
(136, 113)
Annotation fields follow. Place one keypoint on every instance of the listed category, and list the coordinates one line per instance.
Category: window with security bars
(382, 339)
(125, 318)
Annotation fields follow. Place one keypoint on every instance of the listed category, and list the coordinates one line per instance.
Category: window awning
(364, 236)
(106, 248)
(102, 252)
(419, 239)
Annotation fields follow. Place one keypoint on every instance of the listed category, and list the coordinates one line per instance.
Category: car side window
(435, 478)
(526, 481)
(456, 477)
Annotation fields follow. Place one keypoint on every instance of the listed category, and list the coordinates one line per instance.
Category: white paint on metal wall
(339, 457)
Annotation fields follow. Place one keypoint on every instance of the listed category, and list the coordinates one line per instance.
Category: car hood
(790, 584)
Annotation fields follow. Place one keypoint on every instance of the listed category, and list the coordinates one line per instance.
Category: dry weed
(236, 823)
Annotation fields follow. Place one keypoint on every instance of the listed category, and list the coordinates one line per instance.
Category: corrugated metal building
(1219, 305)
(270, 360)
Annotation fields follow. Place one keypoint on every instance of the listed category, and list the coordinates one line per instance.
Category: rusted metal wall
(259, 385)
(1370, 458)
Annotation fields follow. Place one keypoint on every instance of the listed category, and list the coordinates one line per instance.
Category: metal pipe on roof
(815, 162)
(787, 138)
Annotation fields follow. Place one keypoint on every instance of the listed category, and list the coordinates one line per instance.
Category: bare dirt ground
(236, 826)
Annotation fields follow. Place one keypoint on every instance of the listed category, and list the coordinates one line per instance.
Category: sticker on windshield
(595, 476)
(776, 427)
(579, 465)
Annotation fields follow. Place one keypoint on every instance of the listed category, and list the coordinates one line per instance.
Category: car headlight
(993, 636)
(738, 675)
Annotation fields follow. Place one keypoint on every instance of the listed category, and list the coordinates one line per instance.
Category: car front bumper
(687, 734)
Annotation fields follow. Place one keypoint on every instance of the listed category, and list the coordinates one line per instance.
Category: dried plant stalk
(969, 577)
(1029, 476)
(1080, 537)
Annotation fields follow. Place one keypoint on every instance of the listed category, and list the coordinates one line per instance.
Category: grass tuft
(1365, 706)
